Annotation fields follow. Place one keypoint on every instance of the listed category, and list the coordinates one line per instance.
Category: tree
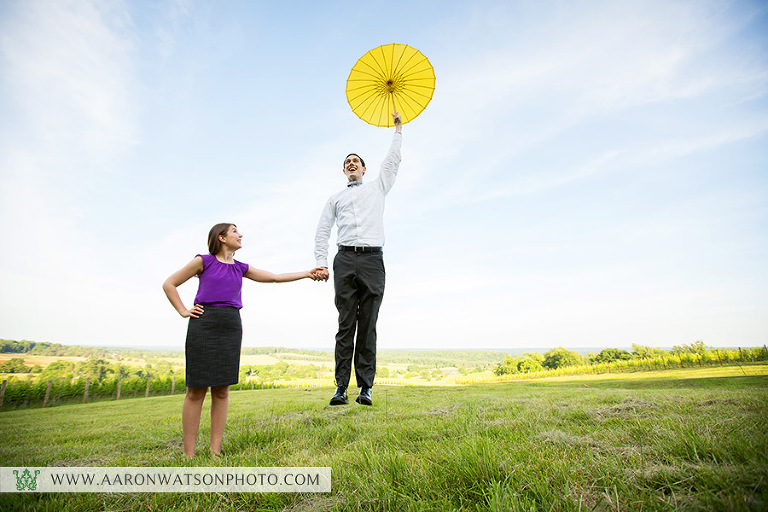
(95, 369)
(9, 346)
(612, 354)
(162, 367)
(530, 364)
(698, 347)
(643, 352)
(58, 369)
(560, 357)
(14, 365)
(531, 361)
(122, 371)
(506, 366)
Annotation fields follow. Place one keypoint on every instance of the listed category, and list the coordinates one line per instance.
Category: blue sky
(588, 173)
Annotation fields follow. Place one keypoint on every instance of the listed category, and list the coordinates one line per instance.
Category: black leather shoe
(340, 398)
(364, 398)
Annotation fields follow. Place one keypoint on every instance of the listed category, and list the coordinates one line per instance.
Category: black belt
(359, 249)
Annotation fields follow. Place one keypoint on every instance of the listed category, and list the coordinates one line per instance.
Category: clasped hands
(319, 274)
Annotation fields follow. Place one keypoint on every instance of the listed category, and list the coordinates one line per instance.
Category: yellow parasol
(392, 77)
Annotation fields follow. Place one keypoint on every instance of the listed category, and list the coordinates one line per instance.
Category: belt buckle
(362, 249)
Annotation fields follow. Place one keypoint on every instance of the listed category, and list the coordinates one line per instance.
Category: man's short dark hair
(358, 156)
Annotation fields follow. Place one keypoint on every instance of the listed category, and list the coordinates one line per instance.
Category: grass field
(694, 439)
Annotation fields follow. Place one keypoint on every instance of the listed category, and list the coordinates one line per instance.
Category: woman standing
(215, 333)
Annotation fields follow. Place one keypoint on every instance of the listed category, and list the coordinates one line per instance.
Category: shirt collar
(354, 183)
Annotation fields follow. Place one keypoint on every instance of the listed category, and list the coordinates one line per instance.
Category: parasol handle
(394, 109)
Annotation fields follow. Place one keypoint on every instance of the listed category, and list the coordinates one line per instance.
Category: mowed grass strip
(684, 440)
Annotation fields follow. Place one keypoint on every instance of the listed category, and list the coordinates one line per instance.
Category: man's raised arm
(391, 163)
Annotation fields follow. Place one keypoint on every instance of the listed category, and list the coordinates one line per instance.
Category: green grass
(694, 439)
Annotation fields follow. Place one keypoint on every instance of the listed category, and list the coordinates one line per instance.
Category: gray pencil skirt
(213, 347)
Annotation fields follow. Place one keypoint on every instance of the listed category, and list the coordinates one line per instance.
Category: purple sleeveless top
(221, 284)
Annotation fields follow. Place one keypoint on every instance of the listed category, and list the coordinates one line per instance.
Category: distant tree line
(258, 351)
(103, 378)
(695, 353)
(69, 379)
(98, 370)
(36, 348)
(50, 349)
(281, 371)
(93, 368)
(442, 358)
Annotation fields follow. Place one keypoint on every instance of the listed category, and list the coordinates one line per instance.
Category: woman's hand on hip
(195, 312)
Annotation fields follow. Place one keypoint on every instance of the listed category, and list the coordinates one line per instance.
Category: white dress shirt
(358, 210)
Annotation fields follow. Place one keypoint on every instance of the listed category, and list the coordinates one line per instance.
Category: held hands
(319, 274)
